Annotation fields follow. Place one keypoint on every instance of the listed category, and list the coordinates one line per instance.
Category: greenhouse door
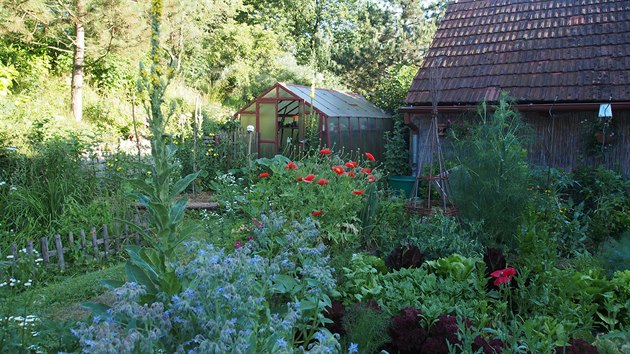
(267, 121)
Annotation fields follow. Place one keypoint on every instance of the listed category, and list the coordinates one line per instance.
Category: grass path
(62, 301)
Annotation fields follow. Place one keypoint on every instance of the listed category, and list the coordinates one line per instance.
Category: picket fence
(90, 245)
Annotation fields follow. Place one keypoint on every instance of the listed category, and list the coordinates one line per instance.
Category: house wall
(559, 140)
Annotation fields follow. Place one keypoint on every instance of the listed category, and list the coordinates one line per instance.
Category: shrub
(490, 183)
(366, 327)
(441, 236)
(606, 198)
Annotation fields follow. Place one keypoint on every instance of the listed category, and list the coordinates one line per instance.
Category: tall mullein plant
(151, 266)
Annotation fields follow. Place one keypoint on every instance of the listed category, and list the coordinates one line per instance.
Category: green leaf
(97, 309)
(182, 184)
(112, 284)
(138, 275)
(284, 283)
(177, 211)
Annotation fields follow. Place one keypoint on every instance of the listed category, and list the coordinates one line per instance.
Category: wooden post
(45, 255)
(83, 243)
(59, 247)
(70, 239)
(29, 247)
(95, 243)
(14, 252)
(105, 241)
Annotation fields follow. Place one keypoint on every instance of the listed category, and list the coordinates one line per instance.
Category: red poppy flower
(317, 212)
(338, 170)
(299, 179)
(358, 192)
(366, 170)
(309, 178)
(325, 151)
(351, 174)
(291, 166)
(263, 175)
(369, 156)
(503, 275)
(351, 164)
(322, 182)
(371, 178)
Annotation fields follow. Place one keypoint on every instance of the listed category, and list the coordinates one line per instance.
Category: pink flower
(369, 156)
(238, 244)
(250, 238)
(503, 275)
(371, 178)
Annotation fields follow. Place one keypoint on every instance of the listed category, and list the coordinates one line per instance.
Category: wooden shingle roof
(537, 50)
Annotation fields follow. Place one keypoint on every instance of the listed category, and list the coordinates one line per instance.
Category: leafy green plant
(455, 265)
(358, 282)
(366, 327)
(397, 150)
(615, 254)
(440, 235)
(606, 199)
(151, 266)
(490, 183)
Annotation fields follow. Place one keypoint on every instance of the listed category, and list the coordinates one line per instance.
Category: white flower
(10, 256)
(39, 260)
(27, 284)
(11, 284)
(3, 284)
(2, 183)
(13, 188)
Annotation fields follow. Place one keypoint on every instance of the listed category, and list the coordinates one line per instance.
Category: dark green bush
(490, 183)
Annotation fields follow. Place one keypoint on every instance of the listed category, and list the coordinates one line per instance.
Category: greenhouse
(344, 120)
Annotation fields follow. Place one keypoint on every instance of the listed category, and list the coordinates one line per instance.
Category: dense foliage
(302, 254)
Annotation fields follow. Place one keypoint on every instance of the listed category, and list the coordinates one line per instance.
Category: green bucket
(401, 184)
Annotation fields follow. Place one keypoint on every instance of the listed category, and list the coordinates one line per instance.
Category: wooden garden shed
(344, 119)
(565, 62)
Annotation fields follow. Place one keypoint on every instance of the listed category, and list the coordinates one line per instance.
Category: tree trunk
(76, 94)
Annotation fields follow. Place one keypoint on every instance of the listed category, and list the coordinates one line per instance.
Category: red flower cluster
(309, 178)
(503, 275)
(322, 182)
(325, 151)
(291, 166)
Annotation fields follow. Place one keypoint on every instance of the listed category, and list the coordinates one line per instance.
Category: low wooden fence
(99, 244)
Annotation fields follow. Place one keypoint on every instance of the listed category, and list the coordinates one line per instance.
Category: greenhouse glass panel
(344, 133)
(357, 141)
(333, 130)
(267, 150)
(267, 121)
(248, 119)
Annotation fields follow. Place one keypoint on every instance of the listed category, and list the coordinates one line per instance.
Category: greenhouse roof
(335, 103)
